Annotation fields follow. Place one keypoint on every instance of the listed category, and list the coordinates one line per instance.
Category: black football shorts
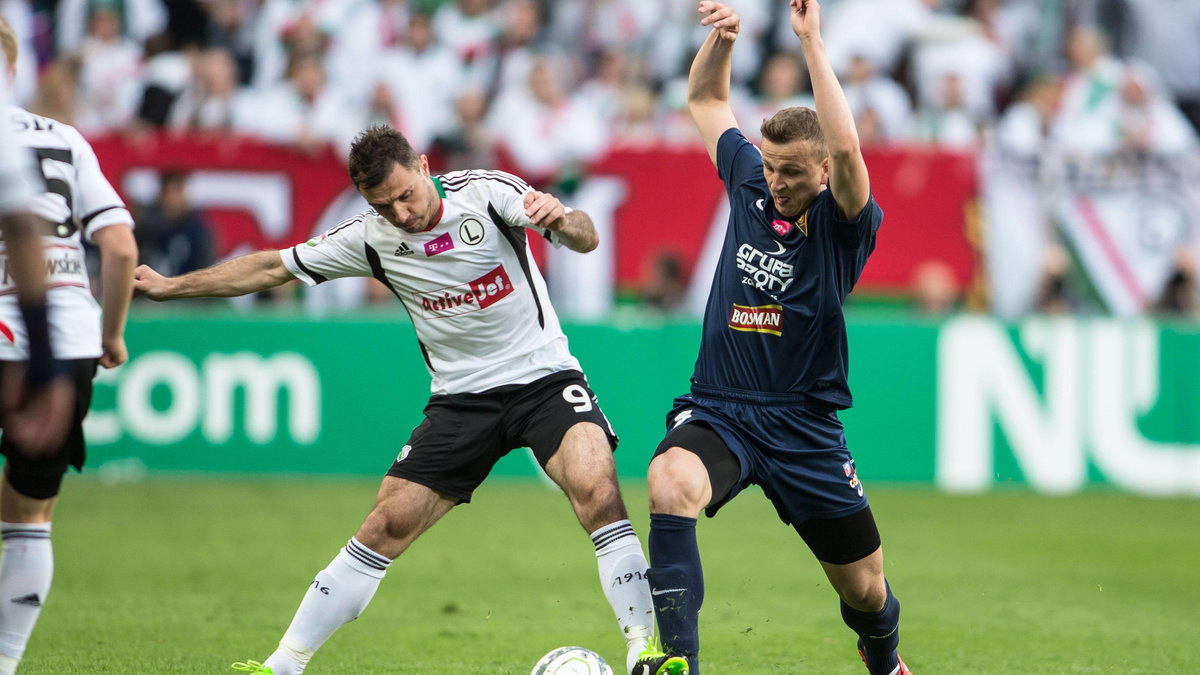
(464, 435)
(40, 477)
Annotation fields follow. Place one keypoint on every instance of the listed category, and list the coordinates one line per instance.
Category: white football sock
(26, 569)
(337, 596)
(623, 568)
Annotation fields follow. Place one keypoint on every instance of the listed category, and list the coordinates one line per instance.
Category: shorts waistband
(765, 398)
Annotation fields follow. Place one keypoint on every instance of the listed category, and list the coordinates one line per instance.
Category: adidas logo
(403, 249)
(32, 600)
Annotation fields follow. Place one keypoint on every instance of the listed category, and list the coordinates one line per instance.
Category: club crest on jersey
(852, 474)
(760, 319)
(471, 232)
(472, 296)
(440, 245)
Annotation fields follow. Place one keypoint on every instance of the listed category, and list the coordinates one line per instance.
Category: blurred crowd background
(1100, 97)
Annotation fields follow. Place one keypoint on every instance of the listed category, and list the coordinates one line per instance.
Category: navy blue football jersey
(774, 321)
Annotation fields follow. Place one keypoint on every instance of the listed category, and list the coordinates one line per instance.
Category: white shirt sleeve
(340, 252)
(97, 203)
(511, 204)
(17, 172)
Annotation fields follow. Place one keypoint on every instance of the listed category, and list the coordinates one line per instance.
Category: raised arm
(708, 79)
(848, 179)
(240, 276)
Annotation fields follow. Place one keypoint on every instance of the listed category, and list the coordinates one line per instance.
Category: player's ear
(423, 165)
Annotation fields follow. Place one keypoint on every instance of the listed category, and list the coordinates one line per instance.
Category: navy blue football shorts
(793, 448)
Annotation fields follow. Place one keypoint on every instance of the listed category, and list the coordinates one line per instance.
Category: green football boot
(652, 661)
(253, 667)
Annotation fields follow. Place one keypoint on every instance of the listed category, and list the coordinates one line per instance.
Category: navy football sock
(677, 584)
(880, 632)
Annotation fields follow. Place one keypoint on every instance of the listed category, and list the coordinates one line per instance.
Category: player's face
(795, 172)
(407, 198)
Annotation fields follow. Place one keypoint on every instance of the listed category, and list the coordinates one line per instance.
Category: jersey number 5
(58, 187)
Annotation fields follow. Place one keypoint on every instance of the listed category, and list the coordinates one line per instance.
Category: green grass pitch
(187, 575)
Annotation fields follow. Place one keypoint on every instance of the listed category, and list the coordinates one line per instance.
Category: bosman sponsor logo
(760, 319)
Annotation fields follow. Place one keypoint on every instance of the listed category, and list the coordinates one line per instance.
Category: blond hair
(794, 124)
(8, 40)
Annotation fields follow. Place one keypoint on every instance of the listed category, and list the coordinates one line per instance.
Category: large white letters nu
(1099, 378)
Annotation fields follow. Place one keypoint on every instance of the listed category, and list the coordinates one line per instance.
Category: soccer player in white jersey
(78, 202)
(34, 408)
(453, 250)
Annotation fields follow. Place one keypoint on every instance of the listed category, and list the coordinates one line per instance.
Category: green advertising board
(967, 404)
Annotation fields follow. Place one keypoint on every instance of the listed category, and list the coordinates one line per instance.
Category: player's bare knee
(385, 533)
(678, 484)
(598, 503)
(864, 595)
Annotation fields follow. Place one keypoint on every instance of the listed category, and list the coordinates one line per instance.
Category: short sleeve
(97, 202)
(509, 199)
(738, 160)
(339, 252)
(853, 233)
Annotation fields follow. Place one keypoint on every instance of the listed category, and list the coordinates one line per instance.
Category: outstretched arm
(708, 79)
(848, 179)
(240, 276)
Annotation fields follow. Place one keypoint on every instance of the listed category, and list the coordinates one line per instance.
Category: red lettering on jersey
(761, 319)
(781, 227)
(472, 296)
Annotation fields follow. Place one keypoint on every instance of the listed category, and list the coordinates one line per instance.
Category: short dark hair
(794, 124)
(374, 152)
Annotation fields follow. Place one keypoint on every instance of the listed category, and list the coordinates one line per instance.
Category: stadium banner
(651, 203)
(1126, 220)
(970, 404)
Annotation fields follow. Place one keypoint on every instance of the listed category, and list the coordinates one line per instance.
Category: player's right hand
(149, 283)
(721, 18)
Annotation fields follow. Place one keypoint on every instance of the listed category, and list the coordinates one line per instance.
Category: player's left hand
(545, 210)
(806, 18)
(115, 352)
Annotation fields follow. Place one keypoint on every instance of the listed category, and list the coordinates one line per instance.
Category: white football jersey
(77, 201)
(17, 176)
(476, 297)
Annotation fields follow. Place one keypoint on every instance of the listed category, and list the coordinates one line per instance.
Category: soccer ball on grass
(571, 661)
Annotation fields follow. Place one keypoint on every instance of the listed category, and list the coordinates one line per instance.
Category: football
(571, 661)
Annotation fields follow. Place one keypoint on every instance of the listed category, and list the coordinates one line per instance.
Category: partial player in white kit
(78, 202)
(453, 250)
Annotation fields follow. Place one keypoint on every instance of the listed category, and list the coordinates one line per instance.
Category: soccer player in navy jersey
(772, 369)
